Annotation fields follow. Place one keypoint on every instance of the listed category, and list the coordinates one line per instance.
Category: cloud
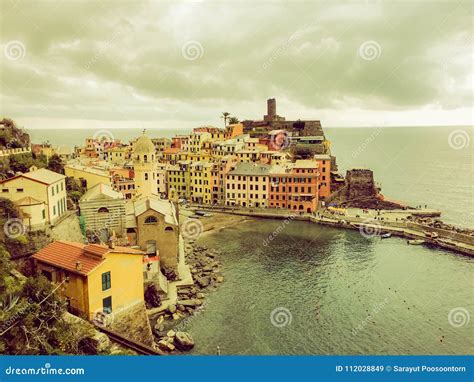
(124, 60)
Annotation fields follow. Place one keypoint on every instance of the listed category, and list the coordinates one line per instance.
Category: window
(103, 210)
(44, 214)
(146, 176)
(57, 188)
(54, 210)
(19, 190)
(52, 191)
(62, 186)
(5, 190)
(151, 220)
(107, 305)
(106, 281)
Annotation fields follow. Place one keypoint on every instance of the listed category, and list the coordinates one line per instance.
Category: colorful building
(43, 186)
(95, 278)
(294, 186)
(247, 185)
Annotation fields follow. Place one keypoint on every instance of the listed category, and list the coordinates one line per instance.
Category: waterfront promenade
(396, 222)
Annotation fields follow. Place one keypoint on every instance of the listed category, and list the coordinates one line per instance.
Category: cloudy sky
(104, 64)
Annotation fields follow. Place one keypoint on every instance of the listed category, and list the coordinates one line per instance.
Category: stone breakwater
(168, 328)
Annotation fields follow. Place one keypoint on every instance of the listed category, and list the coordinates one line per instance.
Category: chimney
(78, 266)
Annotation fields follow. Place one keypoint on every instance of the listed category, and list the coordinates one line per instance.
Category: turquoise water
(329, 281)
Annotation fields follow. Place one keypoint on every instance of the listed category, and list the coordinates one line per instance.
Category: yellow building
(88, 176)
(201, 184)
(118, 154)
(178, 178)
(96, 278)
(40, 186)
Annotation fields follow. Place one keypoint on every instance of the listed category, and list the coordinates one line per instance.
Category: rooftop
(66, 255)
(101, 191)
(42, 175)
(250, 169)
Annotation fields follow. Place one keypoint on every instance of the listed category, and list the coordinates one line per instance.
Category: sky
(159, 64)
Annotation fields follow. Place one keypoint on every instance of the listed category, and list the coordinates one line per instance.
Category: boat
(203, 213)
(431, 235)
(415, 242)
(386, 235)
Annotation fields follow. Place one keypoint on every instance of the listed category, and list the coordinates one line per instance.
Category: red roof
(66, 255)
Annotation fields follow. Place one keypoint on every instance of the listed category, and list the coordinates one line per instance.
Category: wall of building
(126, 271)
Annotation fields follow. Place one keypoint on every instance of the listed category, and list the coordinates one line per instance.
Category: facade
(152, 224)
(200, 182)
(324, 162)
(144, 166)
(103, 209)
(247, 185)
(96, 278)
(88, 176)
(294, 186)
(33, 211)
(42, 185)
(179, 179)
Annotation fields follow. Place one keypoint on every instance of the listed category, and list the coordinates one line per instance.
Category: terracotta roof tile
(65, 255)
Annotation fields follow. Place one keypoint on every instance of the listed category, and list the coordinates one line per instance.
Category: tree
(56, 164)
(32, 315)
(225, 116)
(233, 120)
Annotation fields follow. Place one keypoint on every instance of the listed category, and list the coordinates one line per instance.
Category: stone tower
(144, 165)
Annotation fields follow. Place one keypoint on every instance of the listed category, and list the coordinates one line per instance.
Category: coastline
(461, 244)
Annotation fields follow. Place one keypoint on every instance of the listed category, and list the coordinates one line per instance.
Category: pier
(395, 222)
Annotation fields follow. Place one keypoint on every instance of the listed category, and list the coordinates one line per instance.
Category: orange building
(324, 162)
(294, 186)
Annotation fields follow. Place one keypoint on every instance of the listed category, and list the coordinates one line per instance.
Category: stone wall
(68, 229)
